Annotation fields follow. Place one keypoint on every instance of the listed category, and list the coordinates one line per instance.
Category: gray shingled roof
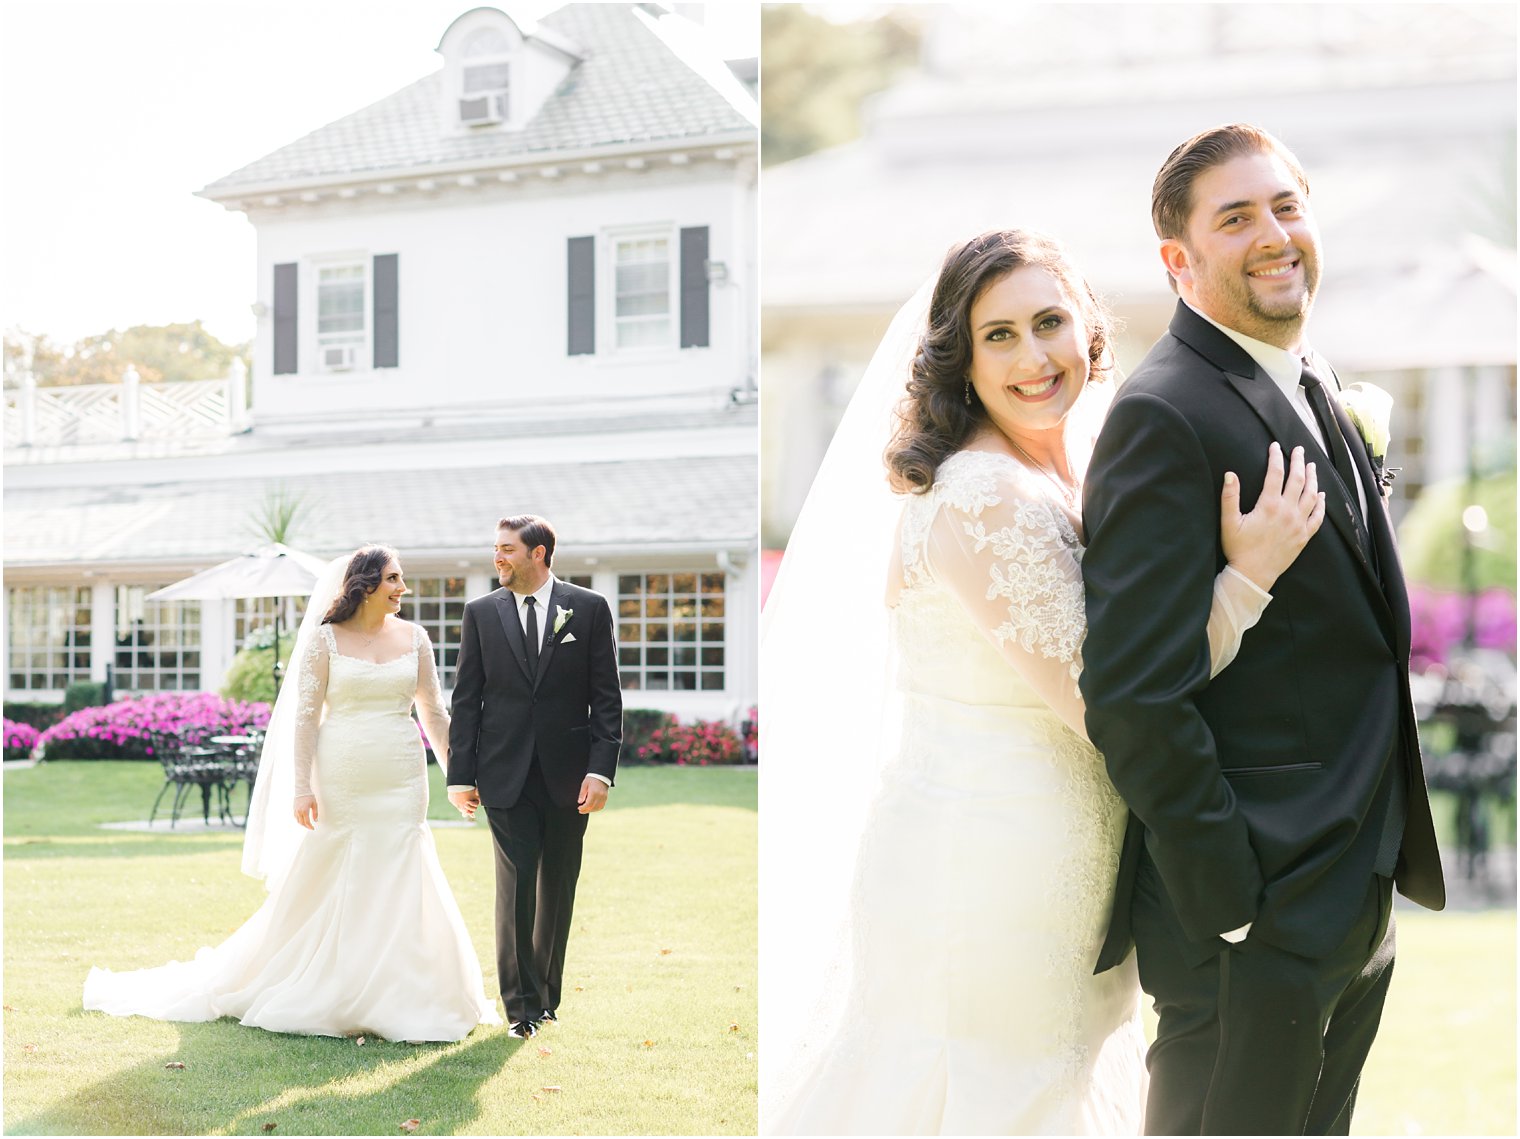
(695, 502)
(629, 88)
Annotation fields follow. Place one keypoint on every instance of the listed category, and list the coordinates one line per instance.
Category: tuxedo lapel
(506, 610)
(1265, 398)
(557, 598)
(1381, 526)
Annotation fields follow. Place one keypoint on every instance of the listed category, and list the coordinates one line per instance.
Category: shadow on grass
(149, 846)
(236, 1080)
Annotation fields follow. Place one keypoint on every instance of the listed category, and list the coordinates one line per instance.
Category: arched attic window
(485, 78)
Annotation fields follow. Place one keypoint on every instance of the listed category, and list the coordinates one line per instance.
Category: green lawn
(657, 1034)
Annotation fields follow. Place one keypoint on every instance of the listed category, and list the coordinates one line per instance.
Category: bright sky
(113, 114)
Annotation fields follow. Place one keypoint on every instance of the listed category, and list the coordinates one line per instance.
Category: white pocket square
(568, 638)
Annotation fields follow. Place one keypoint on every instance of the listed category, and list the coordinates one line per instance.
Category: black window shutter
(386, 312)
(285, 319)
(582, 300)
(694, 303)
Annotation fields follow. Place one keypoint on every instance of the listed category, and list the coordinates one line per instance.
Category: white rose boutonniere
(1371, 409)
(561, 618)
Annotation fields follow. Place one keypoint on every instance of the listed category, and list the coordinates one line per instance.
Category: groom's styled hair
(534, 531)
(1172, 192)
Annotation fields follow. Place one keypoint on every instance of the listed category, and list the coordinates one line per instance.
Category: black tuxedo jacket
(1261, 795)
(570, 714)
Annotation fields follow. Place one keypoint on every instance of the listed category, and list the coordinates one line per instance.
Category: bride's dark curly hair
(363, 575)
(934, 419)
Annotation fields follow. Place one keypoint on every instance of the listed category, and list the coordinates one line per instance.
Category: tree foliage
(168, 352)
(815, 74)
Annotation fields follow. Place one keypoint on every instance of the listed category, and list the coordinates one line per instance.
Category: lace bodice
(335, 686)
(988, 543)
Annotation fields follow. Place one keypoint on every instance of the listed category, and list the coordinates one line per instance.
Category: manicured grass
(657, 1032)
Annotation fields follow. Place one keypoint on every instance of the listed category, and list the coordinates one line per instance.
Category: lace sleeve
(1013, 561)
(311, 699)
(429, 701)
(1238, 604)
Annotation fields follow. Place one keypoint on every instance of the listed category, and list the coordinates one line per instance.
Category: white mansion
(525, 283)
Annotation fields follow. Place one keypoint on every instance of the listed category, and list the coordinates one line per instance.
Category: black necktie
(1335, 442)
(532, 603)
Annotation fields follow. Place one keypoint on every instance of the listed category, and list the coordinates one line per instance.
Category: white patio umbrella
(274, 570)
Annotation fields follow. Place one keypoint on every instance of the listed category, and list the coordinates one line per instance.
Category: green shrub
(39, 716)
(638, 725)
(84, 694)
(250, 676)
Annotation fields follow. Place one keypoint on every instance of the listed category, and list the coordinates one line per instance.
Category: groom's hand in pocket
(466, 801)
(593, 796)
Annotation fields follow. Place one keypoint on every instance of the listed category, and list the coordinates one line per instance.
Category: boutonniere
(1371, 409)
(561, 618)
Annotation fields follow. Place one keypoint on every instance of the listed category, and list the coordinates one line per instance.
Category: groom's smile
(1250, 258)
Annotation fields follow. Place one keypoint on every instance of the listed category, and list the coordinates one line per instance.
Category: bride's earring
(968, 391)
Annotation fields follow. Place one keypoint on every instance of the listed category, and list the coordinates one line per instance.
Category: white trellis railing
(130, 410)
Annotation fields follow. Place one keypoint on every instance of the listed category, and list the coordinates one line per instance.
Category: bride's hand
(306, 811)
(1265, 542)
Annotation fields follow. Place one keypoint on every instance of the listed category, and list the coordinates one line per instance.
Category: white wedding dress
(985, 877)
(360, 932)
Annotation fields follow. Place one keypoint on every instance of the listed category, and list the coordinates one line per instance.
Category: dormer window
(485, 79)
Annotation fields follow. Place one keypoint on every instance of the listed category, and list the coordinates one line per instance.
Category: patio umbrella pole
(278, 671)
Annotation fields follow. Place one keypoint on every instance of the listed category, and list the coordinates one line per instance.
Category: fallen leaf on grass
(649, 1044)
(9, 1008)
(578, 989)
(411, 1125)
(268, 1127)
(543, 1051)
(29, 1047)
(733, 1028)
(666, 952)
(551, 1088)
(177, 1065)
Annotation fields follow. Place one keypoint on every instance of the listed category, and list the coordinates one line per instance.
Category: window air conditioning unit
(485, 109)
(338, 358)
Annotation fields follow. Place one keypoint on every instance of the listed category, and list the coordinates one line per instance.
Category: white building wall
(483, 305)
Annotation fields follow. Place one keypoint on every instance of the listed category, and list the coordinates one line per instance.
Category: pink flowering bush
(1439, 622)
(128, 728)
(20, 739)
(699, 744)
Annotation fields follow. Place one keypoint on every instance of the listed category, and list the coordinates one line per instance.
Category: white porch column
(216, 642)
(102, 628)
(1447, 423)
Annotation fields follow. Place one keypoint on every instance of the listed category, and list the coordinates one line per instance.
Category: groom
(1273, 808)
(537, 722)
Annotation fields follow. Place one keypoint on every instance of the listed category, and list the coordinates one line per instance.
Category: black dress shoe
(523, 1029)
(548, 1015)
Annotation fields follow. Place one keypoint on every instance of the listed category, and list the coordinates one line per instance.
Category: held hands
(593, 796)
(1265, 542)
(466, 802)
(306, 811)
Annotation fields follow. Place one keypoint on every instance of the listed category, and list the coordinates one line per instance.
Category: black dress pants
(1257, 1040)
(538, 859)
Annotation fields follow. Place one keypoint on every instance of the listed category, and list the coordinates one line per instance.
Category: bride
(360, 933)
(956, 993)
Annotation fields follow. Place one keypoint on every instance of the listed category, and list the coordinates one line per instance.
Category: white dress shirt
(541, 603)
(1284, 368)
